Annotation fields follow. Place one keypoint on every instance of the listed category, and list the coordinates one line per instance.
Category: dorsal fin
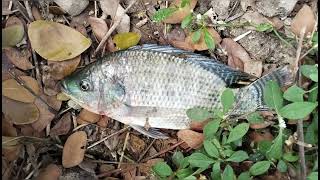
(229, 75)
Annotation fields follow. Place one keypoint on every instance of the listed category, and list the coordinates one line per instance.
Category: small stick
(163, 151)
(145, 152)
(35, 62)
(123, 149)
(26, 3)
(105, 174)
(105, 138)
(113, 27)
(33, 171)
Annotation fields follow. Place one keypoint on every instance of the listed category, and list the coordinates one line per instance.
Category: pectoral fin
(151, 132)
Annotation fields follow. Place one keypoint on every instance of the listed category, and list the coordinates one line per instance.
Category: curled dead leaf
(19, 58)
(192, 138)
(74, 149)
(64, 42)
(103, 122)
(201, 45)
(51, 172)
(19, 112)
(46, 115)
(89, 116)
(59, 70)
(63, 126)
(304, 18)
(181, 13)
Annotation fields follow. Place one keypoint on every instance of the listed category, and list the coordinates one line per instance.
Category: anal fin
(151, 132)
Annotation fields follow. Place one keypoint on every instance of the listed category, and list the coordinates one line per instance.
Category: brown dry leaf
(130, 171)
(19, 58)
(11, 153)
(63, 126)
(74, 149)
(89, 116)
(13, 20)
(256, 136)
(106, 168)
(81, 121)
(13, 90)
(262, 125)
(145, 168)
(6, 66)
(198, 126)
(36, 13)
(79, 27)
(28, 130)
(304, 18)
(52, 101)
(136, 145)
(59, 70)
(192, 138)
(51, 172)
(7, 128)
(103, 122)
(56, 10)
(65, 42)
(237, 52)
(46, 116)
(19, 112)
(201, 45)
(177, 38)
(181, 13)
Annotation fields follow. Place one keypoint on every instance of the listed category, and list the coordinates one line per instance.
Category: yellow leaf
(12, 35)
(56, 42)
(126, 40)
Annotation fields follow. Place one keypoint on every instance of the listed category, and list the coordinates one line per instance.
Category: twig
(145, 152)
(103, 139)
(26, 3)
(105, 174)
(283, 40)
(163, 151)
(306, 53)
(22, 10)
(33, 171)
(123, 149)
(113, 27)
(241, 36)
(35, 62)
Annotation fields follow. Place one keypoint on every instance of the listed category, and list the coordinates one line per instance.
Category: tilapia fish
(153, 86)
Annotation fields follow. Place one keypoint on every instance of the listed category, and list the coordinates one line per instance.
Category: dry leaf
(89, 116)
(56, 42)
(177, 38)
(7, 128)
(181, 13)
(136, 145)
(103, 122)
(52, 101)
(28, 130)
(19, 58)
(201, 45)
(73, 7)
(126, 40)
(63, 126)
(11, 153)
(262, 125)
(36, 13)
(46, 116)
(12, 35)
(198, 126)
(145, 168)
(56, 10)
(304, 18)
(192, 138)
(59, 70)
(131, 171)
(74, 149)
(256, 136)
(237, 52)
(19, 112)
(51, 172)
(6, 66)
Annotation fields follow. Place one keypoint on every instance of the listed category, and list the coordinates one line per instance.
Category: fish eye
(85, 85)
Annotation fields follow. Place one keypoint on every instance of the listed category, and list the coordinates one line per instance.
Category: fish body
(154, 86)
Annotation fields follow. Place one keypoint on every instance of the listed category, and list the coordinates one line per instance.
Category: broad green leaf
(238, 132)
(162, 169)
(297, 110)
(186, 21)
(211, 149)
(177, 158)
(311, 136)
(264, 27)
(190, 178)
(282, 166)
(314, 77)
(228, 152)
(200, 160)
(273, 95)
(275, 150)
(313, 95)
(196, 36)
(227, 99)
(294, 94)
(198, 114)
(183, 173)
(259, 168)
(126, 40)
(12, 35)
(211, 128)
(216, 171)
(244, 176)
(208, 39)
(255, 118)
(238, 156)
(56, 42)
(313, 176)
(162, 14)
(290, 157)
(184, 163)
(310, 71)
(315, 38)
(264, 146)
(185, 2)
(228, 173)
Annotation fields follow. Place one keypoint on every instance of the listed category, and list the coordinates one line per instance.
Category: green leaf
(184, 3)
(227, 99)
(228, 173)
(282, 166)
(273, 95)
(183, 173)
(162, 14)
(313, 95)
(211, 128)
(290, 157)
(275, 150)
(294, 94)
(264, 27)
(313, 176)
(12, 35)
(211, 149)
(216, 171)
(200, 160)
(259, 168)
(244, 176)
(196, 35)
(311, 136)
(264, 146)
(238, 156)
(238, 132)
(126, 40)
(208, 39)
(297, 110)
(190, 178)
(162, 169)
(177, 158)
(198, 114)
(255, 118)
(315, 38)
(186, 21)
(310, 71)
